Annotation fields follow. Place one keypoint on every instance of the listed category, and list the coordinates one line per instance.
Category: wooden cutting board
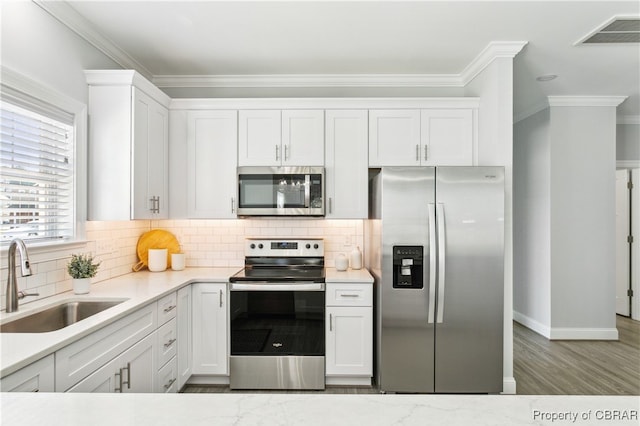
(155, 239)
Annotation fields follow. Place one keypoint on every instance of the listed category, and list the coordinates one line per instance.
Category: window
(37, 170)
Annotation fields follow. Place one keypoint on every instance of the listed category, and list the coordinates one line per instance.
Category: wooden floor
(544, 367)
(577, 367)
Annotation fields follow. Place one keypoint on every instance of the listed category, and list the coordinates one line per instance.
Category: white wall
(628, 142)
(583, 149)
(38, 46)
(531, 218)
(565, 222)
(494, 86)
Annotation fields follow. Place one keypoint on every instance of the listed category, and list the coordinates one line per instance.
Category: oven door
(277, 335)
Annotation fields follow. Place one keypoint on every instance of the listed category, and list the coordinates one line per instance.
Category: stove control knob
(260, 246)
(252, 246)
(308, 246)
(315, 246)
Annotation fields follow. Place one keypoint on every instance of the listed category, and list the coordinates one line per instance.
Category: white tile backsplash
(207, 243)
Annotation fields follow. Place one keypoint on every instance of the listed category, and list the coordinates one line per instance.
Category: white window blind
(37, 171)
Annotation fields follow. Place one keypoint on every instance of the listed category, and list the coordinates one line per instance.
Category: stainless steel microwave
(280, 191)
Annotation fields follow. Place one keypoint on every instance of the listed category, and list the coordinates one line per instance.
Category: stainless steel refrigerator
(435, 244)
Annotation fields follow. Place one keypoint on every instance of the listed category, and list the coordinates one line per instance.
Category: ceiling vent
(619, 29)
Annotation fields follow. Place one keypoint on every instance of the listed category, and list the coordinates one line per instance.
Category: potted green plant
(82, 268)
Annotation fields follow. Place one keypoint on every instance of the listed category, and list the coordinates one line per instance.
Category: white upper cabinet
(446, 137)
(426, 137)
(394, 137)
(211, 164)
(281, 138)
(346, 168)
(128, 147)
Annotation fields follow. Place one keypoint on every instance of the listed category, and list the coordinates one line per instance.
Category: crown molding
(581, 101)
(69, 17)
(494, 50)
(628, 119)
(308, 80)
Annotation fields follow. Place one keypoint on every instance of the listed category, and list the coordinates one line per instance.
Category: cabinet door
(349, 341)
(447, 137)
(210, 329)
(150, 186)
(183, 319)
(394, 137)
(133, 371)
(259, 138)
(303, 138)
(37, 377)
(346, 169)
(212, 157)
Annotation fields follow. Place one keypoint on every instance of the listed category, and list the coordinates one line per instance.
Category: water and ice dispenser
(408, 266)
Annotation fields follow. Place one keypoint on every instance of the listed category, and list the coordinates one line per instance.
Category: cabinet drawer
(167, 342)
(167, 381)
(36, 377)
(167, 308)
(345, 294)
(81, 358)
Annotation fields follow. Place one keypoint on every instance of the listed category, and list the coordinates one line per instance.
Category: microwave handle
(307, 191)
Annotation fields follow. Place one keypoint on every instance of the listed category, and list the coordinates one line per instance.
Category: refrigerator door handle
(441, 261)
(432, 263)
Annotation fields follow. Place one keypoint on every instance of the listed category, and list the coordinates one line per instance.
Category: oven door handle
(270, 286)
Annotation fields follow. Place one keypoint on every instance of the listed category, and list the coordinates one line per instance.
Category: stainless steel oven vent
(616, 30)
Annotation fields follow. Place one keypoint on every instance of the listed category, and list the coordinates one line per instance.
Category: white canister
(157, 260)
(356, 258)
(341, 262)
(178, 261)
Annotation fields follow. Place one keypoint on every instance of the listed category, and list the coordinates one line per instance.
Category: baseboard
(575, 333)
(348, 381)
(534, 325)
(204, 379)
(508, 386)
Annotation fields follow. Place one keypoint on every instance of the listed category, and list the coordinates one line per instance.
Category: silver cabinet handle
(221, 298)
(119, 381)
(330, 322)
(170, 308)
(330, 204)
(426, 150)
(128, 382)
(417, 152)
(349, 295)
(233, 205)
(169, 343)
(432, 263)
(168, 385)
(155, 204)
(441, 261)
(286, 152)
(277, 153)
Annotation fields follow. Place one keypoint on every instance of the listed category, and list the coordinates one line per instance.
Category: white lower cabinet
(349, 333)
(210, 354)
(183, 323)
(134, 371)
(36, 377)
(167, 381)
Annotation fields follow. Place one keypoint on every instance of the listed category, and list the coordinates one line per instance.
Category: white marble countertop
(18, 350)
(349, 276)
(310, 409)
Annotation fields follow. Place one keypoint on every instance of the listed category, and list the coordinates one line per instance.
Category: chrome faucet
(25, 269)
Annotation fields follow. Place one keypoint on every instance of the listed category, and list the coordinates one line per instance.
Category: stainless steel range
(277, 305)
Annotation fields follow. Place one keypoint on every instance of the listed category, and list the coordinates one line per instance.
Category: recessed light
(546, 77)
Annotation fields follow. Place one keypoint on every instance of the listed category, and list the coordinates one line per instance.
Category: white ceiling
(215, 38)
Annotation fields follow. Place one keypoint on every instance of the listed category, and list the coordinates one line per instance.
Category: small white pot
(81, 285)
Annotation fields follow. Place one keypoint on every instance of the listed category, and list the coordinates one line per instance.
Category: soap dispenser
(356, 258)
